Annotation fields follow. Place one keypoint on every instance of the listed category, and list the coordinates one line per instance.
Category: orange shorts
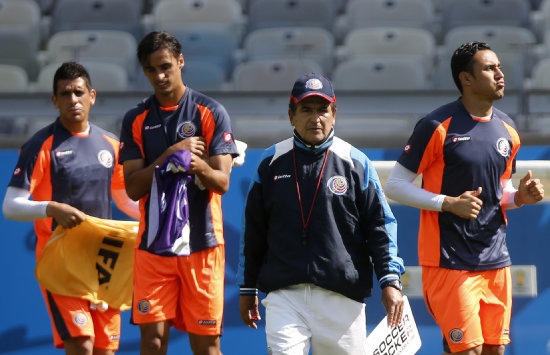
(471, 307)
(71, 317)
(187, 290)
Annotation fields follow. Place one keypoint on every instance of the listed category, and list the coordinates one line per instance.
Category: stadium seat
(442, 78)
(20, 13)
(271, 74)
(197, 15)
(339, 4)
(213, 46)
(487, 12)
(289, 13)
(20, 34)
(390, 13)
(45, 5)
(13, 79)
(120, 15)
(540, 78)
(415, 43)
(203, 76)
(500, 37)
(107, 46)
(380, 73)
(106, 77)
(291, 42)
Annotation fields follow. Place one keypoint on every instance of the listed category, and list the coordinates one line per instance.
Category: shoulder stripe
(342, 149)
(137, 127)
(207, 122)
(282, 148)
(433, 158)
(515, 147)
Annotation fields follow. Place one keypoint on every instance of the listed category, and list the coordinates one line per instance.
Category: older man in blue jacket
(316, 225)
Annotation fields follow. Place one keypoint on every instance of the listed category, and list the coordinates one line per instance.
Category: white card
(403, 339)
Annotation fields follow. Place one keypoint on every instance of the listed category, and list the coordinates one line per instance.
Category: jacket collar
(319, 147)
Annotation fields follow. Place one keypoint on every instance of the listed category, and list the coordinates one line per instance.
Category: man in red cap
(316, 224)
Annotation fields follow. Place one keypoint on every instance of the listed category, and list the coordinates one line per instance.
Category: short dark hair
(462, 59)
(154, 41)
(71, 71)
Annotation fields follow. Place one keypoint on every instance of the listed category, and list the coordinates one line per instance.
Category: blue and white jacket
(351, 230)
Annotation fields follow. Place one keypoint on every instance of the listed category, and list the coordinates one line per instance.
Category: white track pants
(306, 315)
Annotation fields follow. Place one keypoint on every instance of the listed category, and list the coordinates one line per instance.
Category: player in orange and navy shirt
(70, 169)
(179, 286)
(466, 152)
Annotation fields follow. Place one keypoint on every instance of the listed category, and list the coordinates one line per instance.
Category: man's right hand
(65, 215)
(196, 145)
(467, 205)
(248, 307)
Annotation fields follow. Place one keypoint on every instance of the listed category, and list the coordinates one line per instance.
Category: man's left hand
(393, 303)
(529, 190)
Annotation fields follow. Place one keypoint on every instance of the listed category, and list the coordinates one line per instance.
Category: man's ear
(181, 61)
(465, 78)
(291, 117)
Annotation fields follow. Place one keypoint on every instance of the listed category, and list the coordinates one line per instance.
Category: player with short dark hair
(466, 152)
(178, 272)
(70, 169)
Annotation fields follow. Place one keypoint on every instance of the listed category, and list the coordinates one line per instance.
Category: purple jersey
(168, 232)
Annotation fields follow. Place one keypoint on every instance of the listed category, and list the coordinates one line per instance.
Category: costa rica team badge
(338, 185)
(143, 306)
(80, 319)
(456, 335)
(503, 147)
(105, 158)
(186, 129)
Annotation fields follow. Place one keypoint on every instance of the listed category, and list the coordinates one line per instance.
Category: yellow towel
(93, 261)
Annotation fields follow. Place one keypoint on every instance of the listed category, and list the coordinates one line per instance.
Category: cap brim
(309, 94)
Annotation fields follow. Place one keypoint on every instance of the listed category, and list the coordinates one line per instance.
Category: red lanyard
(305, 221)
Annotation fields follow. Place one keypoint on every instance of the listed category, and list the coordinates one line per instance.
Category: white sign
(400, 340)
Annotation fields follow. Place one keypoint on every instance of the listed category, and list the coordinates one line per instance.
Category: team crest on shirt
(105, 158)
(456, 335)
(407, 148)
(338, 185)
(186, 129)
(503, 147)
(17, 171)
(80, 319)
(143, 306)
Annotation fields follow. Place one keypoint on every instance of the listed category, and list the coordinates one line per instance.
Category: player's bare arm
(467, 205)
(214, 174)
(529, 190)
(65, 215)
